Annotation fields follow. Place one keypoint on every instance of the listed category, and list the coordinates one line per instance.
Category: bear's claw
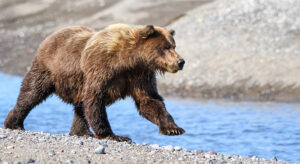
(119, 138)
(116, 138)
(171, 131)
(8, 125)
(14, 127)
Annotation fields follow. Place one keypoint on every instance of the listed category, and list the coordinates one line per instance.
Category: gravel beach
(32, 147)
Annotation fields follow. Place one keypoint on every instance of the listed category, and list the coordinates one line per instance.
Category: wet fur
(92, 69)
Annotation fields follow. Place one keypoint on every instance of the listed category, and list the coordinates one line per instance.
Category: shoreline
(39, 147)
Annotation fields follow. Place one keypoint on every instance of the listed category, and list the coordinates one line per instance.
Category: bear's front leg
(96, 116)
(153, 109)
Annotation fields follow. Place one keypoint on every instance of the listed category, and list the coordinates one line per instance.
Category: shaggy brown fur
(93, 69)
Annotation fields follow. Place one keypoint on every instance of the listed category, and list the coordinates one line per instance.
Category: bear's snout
(180, 63)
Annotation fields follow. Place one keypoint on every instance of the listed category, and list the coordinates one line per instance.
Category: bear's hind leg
(35, 88)
(80, 126)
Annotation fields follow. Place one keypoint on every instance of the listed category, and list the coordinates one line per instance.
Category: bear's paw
(171, 131)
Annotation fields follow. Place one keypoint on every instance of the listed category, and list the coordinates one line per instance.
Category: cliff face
(239, 50)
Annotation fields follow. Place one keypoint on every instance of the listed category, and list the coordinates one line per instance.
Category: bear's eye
(167, 47)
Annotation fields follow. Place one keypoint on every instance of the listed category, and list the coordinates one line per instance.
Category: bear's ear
(147, 31)
(172, 32)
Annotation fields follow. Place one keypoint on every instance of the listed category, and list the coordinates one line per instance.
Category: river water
(265, 129)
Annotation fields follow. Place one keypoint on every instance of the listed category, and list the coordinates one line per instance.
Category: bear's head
(158, 48)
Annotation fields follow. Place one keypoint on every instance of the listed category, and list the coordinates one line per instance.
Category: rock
(177, 148)
(19, 138)
(52, 153)
(274, 159)
(42, 140)
(199, 152)
(59, 151)
(30, 160)
(10, 147)
(206, 155)
(73, 151)
(212, 153)
(169, 148)
(80, 143)
(153, 152)
(213, 161)
(100, 150)
(3, 136)
(253, 158)
(155, 146)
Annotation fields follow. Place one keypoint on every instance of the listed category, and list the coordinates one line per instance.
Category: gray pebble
(207, 156)
(199, 152)
(52, 153)
(213, 161)
(253, 158)
(153, 152)
(73, 152)
(42, 140)
(19, 138)
(212, 152)
(100, 150)
(30, 160)
(274, 159)
(3, 136)
(177, 148)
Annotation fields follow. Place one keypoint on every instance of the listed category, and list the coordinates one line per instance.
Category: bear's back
(61, 51)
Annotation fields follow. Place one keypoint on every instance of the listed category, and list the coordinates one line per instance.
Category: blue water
(241, 128)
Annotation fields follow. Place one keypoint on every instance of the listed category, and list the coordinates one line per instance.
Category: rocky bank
(241, 50)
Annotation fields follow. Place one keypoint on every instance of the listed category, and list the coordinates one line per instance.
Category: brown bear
(92, 69)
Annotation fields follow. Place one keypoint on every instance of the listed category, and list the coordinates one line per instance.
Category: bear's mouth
(173, 68)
